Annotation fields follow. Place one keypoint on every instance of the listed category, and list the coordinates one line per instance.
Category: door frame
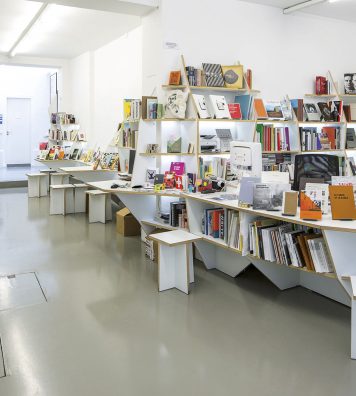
(6, 129)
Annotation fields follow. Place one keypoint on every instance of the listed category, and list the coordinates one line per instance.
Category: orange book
(174, 77)
(342, 202)
(310, 207)
(260, 109)
(330, 132)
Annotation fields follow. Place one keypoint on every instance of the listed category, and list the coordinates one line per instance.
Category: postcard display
(227, 254)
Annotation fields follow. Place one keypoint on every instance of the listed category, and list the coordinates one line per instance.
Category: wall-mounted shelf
(168, 119)
(224, 120)
(174, 86)
(167, 154)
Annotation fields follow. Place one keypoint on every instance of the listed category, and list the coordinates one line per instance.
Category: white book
(312, 112)
(200, 102)
(220, 107)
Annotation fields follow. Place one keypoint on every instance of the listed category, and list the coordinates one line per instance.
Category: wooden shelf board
(158, 224)
(276, 121)
(166, 154)
(214, 153)
(224, 120)
(321, 123)
(322, 151)
(206, 88)
(320, 96)
(126, 148)
(281, 152)
(167, 86)
(169, 119)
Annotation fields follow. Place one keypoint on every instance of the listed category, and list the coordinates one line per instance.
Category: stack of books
(178, 215)
(273, 138)
(327, 139)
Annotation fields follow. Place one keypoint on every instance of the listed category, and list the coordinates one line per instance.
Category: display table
(340, 237)
(86, 173)
(56, 164)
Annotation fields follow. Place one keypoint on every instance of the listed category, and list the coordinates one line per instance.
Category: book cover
(274, 110)
(178, 168)
(213, 75)
(342, 202)
(290, 203)
(350, 138)
(297, 106)
(312, 112)
(321, 85)
(174, 77)
(277, 191)
(202, 108)
(310, 205)
(233, 76)
(325, 111)
(246, 189)
(260, 109)
(261, 196)
(245, 103)
(174, 145)
(219, 105)
(324, 194)
(235, 111)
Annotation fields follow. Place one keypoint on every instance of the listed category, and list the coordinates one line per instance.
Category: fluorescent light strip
(300, 6)
(24, 33)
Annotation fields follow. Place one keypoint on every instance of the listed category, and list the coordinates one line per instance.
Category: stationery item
(220, 107)
(200, 103)
(246, 189)
(235, 111)
(311, 112)
(342, 202)
(310, 205)
(213, 75)
(174, 77)
(174, 145)
(178, 168)
(225, 137)
(260, 110)
(290, 203)
(233, 76)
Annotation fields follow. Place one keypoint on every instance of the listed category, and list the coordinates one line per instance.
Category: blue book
(245, 103)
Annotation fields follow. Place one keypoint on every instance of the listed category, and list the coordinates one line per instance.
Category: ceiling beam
(302, 5)
(24, 33)
(130, 7)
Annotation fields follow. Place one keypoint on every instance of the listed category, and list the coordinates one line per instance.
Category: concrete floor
(106, 331)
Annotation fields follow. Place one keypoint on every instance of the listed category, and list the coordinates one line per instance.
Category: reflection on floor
(106, 331)
(17, 173)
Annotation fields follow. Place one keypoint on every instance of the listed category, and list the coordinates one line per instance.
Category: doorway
(18, 132)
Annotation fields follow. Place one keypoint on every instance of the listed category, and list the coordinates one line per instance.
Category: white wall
(27, 82)
(284, 52)
(100, 80)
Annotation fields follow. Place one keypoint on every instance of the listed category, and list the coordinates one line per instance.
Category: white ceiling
(61, 31)
(342, 9)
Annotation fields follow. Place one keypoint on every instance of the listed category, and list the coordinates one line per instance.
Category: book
(325, 111)
(349, 85)
(150, 175)
(235, 111)
(342, 202)
(324, 194)
(220, 107)
(277, 191)
(350, 138)
(245, 102)
(274, 110)
(200, 103)
(233, 76)
(174, 77)
(246, 189)
(146, 101)
(287, 110)
(178, 168)
(311, 112)
(298, 108)
(290, 203)
(321, 85)
(213, 75)
(310, 205)
(261, 196)
(260, 109)
(273, 138)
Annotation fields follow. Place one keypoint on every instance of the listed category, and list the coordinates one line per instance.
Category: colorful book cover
(235, 111)
(342, 202)
(310, 205)
(178, 168)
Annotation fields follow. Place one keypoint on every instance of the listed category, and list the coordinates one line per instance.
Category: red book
(330, 133)
(278, 141)
(321, 85)
(179, 182)
(235, 111)
(216, 224)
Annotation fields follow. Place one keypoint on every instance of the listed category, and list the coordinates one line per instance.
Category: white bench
(175, 259)
(48, 173)
(62, 199)
(80, 197)
(99, 206)
(37, 185)
(59, 178)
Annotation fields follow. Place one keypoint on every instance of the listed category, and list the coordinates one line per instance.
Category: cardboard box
(126, 224)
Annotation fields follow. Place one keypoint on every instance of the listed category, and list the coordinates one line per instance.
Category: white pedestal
(99, 206)
(80, 198)
(59, 178)
(62, 199)
(37, 185)
(48, 173)
(175, 260)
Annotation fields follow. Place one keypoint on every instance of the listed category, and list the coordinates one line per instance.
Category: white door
(18, 131)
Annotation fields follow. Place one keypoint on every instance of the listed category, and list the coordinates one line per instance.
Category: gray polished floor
(106, 331)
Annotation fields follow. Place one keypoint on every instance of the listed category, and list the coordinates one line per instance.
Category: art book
(213, 75)
(324, 194)
(220, 107)
(274, 110)
(310, 205)
(260, 109)
(202, 108)
(233, 76)
(311, 112)
(178, 168)
(342, 202)
(235, 111)
(261, 196)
